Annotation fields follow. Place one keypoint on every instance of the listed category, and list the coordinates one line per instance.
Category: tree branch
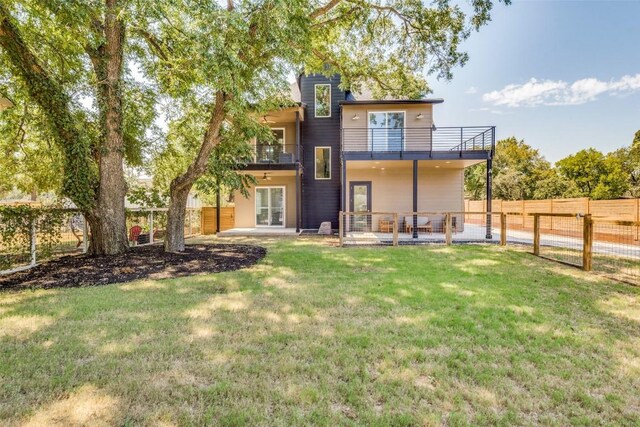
(323, 10)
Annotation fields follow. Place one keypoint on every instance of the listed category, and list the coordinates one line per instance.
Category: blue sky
(562, 75)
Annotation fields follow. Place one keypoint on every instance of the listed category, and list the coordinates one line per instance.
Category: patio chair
(385, 225)
(134, 233)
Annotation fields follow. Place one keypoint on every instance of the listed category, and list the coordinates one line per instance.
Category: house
(337, 151)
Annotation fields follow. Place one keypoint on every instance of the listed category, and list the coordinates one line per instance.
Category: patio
(259, 231)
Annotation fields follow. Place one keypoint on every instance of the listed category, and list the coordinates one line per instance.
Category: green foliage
(29, 159)
(64, 141)
(16, 224)
(517, 170)
(595, 175)
(147, 197)
(628, 159)
(520, 172)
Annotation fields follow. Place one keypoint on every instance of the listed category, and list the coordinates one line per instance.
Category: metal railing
(275, 153)
(441, 139)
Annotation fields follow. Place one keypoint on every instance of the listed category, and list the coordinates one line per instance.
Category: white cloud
(550, 92)
(472, 90)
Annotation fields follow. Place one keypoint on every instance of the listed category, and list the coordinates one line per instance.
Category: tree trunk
(181, 185)
(108, 219)
(174, 241)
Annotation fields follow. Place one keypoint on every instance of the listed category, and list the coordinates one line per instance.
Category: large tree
(595, 175)
(517, 170)
(58, 53)
(628, 159)
(236, 59)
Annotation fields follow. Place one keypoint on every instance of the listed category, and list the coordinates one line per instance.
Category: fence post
(341, 227)
(395, 229)
(587, 236)
(85, 235)
(151, 226)
(536, 234)
(503, 229)
(448, 227)
(33, 243)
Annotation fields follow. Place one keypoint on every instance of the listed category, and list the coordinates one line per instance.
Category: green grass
(321, 335)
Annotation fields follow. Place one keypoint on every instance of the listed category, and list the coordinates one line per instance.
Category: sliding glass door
(386, 131)
(270, 206)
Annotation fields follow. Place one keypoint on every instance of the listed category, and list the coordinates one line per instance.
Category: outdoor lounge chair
(424, 224)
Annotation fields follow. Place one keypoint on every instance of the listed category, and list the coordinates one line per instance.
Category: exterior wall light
(355, 117)
(420, 116)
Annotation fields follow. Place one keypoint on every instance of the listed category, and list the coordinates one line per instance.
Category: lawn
(321, 335)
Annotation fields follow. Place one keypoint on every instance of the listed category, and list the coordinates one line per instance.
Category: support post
(85, 235)
(343, 199)
(448, 228)
(503, 229)
(587, 245)
(151, 227)
(536, 234)
(415, 199)
(341, 227)
(489, 195)
(218, 209)
(33, 243)
(297, 194)
(395, 229)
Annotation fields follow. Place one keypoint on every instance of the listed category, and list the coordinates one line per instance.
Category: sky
(562, 75)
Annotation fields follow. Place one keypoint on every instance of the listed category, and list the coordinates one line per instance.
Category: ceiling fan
(266, 177)
(265, 119)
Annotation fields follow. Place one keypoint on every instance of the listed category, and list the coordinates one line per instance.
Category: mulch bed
(142, 262)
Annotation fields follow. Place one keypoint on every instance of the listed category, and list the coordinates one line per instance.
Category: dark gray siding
(321, 198)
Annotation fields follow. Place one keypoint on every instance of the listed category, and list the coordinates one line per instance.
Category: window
(386, 131)
(323, 162)
(323, 100)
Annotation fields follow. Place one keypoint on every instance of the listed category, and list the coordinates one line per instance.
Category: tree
(236, 60)
(52, 53)
(29, 159)
(629, 161)
(595, 175)
(517, 170)
(552, 185)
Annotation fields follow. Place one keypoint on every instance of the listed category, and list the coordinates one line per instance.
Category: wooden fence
(601, 211)
(208, 218)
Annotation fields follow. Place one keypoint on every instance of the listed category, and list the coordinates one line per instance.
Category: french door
(360, 201)
(270, 206)
(386, 130)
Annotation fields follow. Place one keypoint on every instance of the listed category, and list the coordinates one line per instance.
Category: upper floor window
(323, 162)
(386, 130)
(323, 100)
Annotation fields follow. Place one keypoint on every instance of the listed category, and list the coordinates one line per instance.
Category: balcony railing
(442, 139)
(275, 153)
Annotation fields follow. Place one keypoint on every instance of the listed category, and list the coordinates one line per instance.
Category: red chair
(134, 233)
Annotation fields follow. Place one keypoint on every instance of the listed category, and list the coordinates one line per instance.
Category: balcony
(473, 142)
(273, 156)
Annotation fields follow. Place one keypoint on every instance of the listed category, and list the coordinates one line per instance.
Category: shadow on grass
(323, 335)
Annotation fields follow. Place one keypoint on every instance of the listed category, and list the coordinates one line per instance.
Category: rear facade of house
(337, 151)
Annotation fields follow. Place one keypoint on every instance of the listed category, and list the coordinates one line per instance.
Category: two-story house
(337, 151)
